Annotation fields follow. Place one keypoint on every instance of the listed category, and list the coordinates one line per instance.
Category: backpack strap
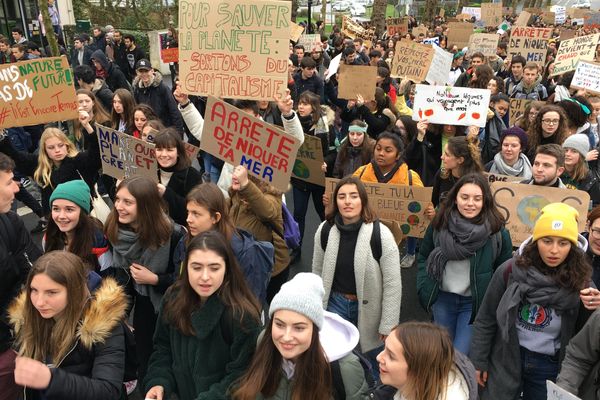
(339, 391)
(363, 171)
(376, 241)
(325, 235)
(496, 244)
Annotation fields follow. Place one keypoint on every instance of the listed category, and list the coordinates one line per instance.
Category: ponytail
(468, 149)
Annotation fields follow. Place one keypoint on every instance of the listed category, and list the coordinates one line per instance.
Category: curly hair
(535, 132)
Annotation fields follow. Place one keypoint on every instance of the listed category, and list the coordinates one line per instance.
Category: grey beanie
(304, 295)
(578, 142)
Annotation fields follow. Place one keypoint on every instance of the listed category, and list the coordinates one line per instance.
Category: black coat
(179, 186)
(87, 57)
(425, 157)
(115, 78)
(159, 97)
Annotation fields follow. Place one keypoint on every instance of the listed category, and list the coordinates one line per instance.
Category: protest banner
(440, 67)
(310, 42)
(234, 48)
(516, 109)
(555, 392)
(354, 30)
(334, 65)
(295, 31)
(442, 12)
(520, 205)
(571, 51)
(492, 177)
(587, 76)
(411, 60)
(592, 21)
(433, 40)
(402, 204)
(448, 105)
(577, 21)
(472, 11)
(239, 138)
(37, 91)
(491, 13)
(575, 13)
(124, 156)
(191, 150)
(309, 161)
(397, 26)
(459, 33)
(566, 34)
(533, 10)
(523, 19)
(486, 43)
(169, 55)
(419, 30)
(357, 79)
(548, 17)
(560, 14)
(531, 43)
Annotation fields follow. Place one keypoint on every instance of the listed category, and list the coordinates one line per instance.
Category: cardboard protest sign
(310, 42)
(242, 139)
(357, 79)
(578, 13)
(592, 20)
(459, 33)
(491, 13)
(309, 161)
(577, 21)
(520, 205)
(523, 19)
(419, 30)
(531, 43)
(169, 55)
(295, 31)
(566, 34)
(492, 177)
(397, 26)
(560, 14)
(516, 109)
(37, 91)
(191, 150)
(334, 65)
(473, 12)
(440, 67)
(555, 392)
(571, 51)
(402, 204)
(411, 60)
(548, 17)
(448, 105)
(587, 76)
(486, 43)
(124, 156)
(355, 30)
(234, 48)
(442, 12)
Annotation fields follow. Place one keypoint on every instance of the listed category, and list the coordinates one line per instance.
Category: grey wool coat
(378, 285)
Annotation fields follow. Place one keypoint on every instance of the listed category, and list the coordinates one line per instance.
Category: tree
(430, 10)
(378, 15)
(50, 35)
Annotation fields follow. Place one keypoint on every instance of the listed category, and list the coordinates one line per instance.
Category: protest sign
(492, 177)
(295, 31)
(357, 79)
(37, 91)
(124, 156)
(516, 109)
(242, 139)
(442, 12)
(555, 392)
(234, 48)
(433, 40)
(560, 14)
(440, 67)
(531, 43)
(402, 204)
(491, 13)
(578, 13)
(566, 34)
(310, 42)
(419, 30)
(592, 20)
(577, 21)
(459, 33)
(523, 19)
(411, 60)
(486, 43)
(548, 17)
(587, 76)
(473, 12)
(533, 10)
(355, 30)
(309, 161)
(571, 51)
(191, 150)
(448, 105)
(520, 205)
(334, 65)
(397, 26)
(169, 55)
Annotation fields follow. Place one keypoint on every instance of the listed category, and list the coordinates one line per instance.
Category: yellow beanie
(557, 219)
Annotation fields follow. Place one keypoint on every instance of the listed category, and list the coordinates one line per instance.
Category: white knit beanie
(304, 295)
(579, 142)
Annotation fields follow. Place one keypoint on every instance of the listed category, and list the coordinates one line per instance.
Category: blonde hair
(44, 169)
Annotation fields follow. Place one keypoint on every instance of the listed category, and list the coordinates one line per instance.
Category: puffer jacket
(159, 98)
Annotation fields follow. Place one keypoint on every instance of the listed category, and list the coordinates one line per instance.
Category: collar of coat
(106, 310)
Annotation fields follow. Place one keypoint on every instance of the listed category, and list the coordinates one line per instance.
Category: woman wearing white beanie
(577, 173)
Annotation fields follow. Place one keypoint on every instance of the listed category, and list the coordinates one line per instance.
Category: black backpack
(375, 238)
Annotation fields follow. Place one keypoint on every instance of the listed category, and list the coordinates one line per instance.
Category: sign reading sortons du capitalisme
(234, 48)
(36, 91)
(242, 139)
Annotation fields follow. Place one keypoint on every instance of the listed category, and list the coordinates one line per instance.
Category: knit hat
(557, 219)
(304, 295)
(518, 132)
(578, 142)
(76, 191)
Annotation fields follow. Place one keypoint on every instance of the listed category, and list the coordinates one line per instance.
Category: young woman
(147, 134)
(528, 117)
(463, 245)
(577, 109)
(496, 85)
(385, 82)
(86, 101)
(419, 363)
(70, 342)
(530, 309)
(143, 240)
(207, 329)
(489, 138)
(511, 159)
(577, 174)
(355, 151)
(122, 113)
(380, 114)
(359, 287)
(142, 113)
(456, 69)
(176, 175)
(480, 78)
(291, 361)
(550, 126)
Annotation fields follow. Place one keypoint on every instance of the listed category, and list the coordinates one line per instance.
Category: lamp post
(308, 28)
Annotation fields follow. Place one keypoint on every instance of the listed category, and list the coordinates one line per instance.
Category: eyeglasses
(551, 121)
(595, 233)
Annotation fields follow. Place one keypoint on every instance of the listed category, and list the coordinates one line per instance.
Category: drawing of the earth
(301, 170)
(529, 208)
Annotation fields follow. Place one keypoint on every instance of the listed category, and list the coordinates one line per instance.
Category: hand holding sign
(285, 103)
(239, 178)
(182, 98)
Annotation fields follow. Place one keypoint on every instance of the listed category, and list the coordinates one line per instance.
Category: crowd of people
(184, 287)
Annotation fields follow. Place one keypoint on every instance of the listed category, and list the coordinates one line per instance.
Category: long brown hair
(366, 152)
(209, 196)
(100, 116)
(128, 102)
(169, 138)
(580, 170)
(315, 102)
(153, 225)
(367, 213)
(462, 146)
(39, 338)
(181, 300)
(312, 374)
(535, 130)
(483, 73)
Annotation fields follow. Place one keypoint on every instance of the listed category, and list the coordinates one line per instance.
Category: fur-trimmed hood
(137, 82)
(106, 310)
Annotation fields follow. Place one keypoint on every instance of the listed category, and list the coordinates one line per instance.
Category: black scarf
(381, 178)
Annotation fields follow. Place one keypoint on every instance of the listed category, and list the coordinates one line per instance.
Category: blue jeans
(453, 312)
(210, 170)
(411, 245)
(536, 368)
(301, 198)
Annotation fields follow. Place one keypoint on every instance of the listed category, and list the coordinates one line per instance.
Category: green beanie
(76, 191)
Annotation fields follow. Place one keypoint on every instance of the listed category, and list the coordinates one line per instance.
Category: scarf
(128, 250)
(381, 178)
(531, 286)
(521, 168)
(459, 241)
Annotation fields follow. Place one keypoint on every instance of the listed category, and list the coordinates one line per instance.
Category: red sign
(170, 55)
